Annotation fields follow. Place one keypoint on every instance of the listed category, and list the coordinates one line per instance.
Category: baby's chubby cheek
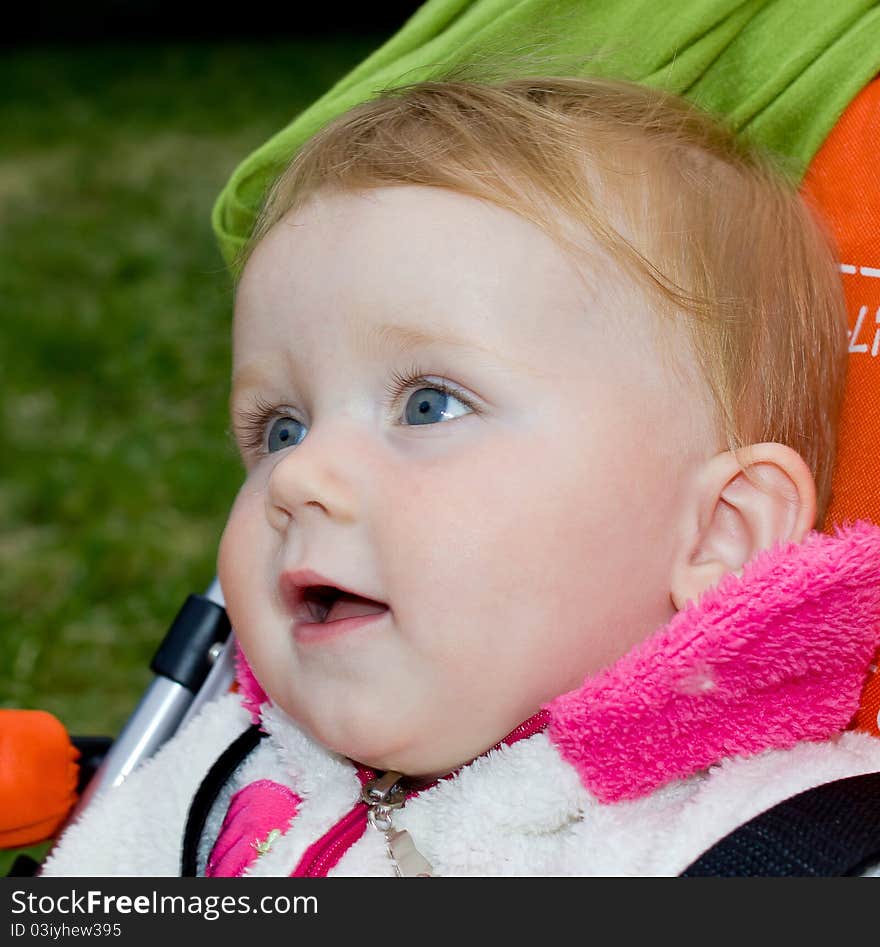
(498, 550)
(549, 554)
(458, 539)
(239, 565)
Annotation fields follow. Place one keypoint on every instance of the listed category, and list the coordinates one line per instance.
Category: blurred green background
(117, 464)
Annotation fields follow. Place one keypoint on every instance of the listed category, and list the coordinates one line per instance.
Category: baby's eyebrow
(379, 340)
(402, 339)
(373, 343)
(251, 376)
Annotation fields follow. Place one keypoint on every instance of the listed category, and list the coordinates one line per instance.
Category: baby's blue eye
(427, 405)
(284, 432)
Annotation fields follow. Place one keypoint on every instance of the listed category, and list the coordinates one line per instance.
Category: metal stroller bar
(193, 665)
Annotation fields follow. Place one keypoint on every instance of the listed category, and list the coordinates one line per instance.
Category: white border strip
(864, 270)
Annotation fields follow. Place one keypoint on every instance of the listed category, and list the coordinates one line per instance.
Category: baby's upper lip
(293, 583)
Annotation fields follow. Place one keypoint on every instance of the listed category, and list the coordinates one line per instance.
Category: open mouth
(326, 603)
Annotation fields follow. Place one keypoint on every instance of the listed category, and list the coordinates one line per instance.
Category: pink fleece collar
(760, 662)
(763, 661)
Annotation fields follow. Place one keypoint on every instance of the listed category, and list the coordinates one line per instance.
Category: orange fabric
(38, 776)
(868, 717)
(843, 183)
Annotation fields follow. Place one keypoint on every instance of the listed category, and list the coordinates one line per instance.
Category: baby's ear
(743, 502)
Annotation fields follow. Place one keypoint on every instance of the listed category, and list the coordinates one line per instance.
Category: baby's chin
(417, 768)
(418, 738)
(387, 748)
(407, 756)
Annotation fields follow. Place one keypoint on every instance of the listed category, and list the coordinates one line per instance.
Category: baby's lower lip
(313, 632)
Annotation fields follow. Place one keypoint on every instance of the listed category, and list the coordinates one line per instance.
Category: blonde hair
(708, 225)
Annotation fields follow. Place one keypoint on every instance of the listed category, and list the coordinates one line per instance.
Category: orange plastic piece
(38, 776)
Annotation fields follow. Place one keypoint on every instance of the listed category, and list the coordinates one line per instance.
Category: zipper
(380, 796)
(321, 856)
(383, 795)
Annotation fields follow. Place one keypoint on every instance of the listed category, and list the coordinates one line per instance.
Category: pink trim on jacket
(759, 662)
(257, 815)
(252, 694)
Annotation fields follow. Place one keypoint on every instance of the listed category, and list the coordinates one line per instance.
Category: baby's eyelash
(402, 382)
(251, 424)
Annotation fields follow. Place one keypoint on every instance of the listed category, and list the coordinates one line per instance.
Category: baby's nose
(311, 478)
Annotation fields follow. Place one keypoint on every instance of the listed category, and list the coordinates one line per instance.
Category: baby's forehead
(411, 249)
(417, 223)
(444, 241)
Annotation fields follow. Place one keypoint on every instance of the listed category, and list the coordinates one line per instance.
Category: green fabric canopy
(781, 71)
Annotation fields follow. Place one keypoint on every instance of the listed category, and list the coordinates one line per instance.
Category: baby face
(440, 411)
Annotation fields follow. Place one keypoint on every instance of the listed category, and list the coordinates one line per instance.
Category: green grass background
(116, 465)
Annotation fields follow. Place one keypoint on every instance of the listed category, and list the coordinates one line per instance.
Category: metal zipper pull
(408, 860)
(383, 795)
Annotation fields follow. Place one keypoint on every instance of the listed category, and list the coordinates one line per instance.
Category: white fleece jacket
(520, 810)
